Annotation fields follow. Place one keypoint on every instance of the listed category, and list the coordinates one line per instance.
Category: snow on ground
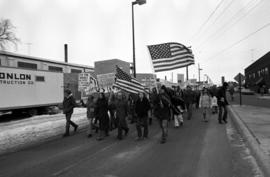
(18, 134)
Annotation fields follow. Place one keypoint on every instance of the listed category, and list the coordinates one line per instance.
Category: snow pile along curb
(254, 145)
(35, 130)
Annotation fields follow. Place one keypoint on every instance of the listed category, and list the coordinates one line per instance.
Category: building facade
(180, 78)
(106, 70)
(257, 74)
(13, 60)
(109, 66)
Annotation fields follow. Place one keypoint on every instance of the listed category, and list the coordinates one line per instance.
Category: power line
(241, 40)
(220, 15)
(226, 27)
(210, 16)
(224, 10)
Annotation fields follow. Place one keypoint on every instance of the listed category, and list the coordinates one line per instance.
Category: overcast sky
(101, 29)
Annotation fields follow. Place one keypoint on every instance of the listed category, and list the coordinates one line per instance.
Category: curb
(262, 159)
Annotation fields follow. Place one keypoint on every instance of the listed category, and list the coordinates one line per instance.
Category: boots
(67, 132)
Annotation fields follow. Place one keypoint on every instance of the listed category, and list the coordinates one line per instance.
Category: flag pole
(187, 73)
(153, 70)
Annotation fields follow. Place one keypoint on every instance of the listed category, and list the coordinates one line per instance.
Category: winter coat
(101, 113)
(142, 107)
(205, 101)
(189, 97)
(214, 101)
(121, 112)
(177, 103)
(163, 107)
(68, 104)
(90, 109)
(221, 97)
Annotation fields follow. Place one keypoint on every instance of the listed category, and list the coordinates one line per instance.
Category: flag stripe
(168, 56)
(132, 85)
(162, 60)
(174, 64)
(171, 68)
(129, 88)
(125, 82)
(123, 87)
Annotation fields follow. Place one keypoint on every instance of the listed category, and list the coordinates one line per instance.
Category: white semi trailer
(29, 90)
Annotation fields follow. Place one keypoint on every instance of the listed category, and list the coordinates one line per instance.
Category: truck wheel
(32, 112)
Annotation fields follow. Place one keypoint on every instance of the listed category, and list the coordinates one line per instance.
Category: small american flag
(125, 82)
(169, 56)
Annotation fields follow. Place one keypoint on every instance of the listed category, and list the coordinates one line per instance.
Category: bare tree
(7, 34)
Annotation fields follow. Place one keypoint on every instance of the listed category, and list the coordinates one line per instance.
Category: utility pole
(199, 72)
(187, 66)
(139, 2)
(187, 72)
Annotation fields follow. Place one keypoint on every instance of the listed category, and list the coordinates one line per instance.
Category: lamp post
(140, 2)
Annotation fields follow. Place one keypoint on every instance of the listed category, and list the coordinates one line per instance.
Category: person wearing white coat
(205, 103)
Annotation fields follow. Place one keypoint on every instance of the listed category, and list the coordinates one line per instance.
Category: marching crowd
(107, 112)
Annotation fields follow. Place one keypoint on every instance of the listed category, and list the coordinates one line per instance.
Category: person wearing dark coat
(189, 98)
(68, 106)
(142, 107)
(90, 105)
(121, 114)
(131, 108)
(163, 112)
(222, 103)
(101, 114)
(155, 102)
(178, 109)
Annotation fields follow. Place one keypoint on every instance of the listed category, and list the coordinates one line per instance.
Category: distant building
(147, 79)
(106, 70)
(257, 74)
(109, 66)
(180, 78)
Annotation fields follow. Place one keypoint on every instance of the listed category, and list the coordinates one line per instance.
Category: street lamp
(140, 2)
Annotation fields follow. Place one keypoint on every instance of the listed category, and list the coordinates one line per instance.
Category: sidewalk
(266, 97)
(254, 125)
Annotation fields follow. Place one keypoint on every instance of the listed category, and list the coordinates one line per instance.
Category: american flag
(169, 56)
(125, 82)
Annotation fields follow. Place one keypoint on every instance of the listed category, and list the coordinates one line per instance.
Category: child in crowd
(214, 104)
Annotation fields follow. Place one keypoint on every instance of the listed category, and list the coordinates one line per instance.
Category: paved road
(197, 149)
